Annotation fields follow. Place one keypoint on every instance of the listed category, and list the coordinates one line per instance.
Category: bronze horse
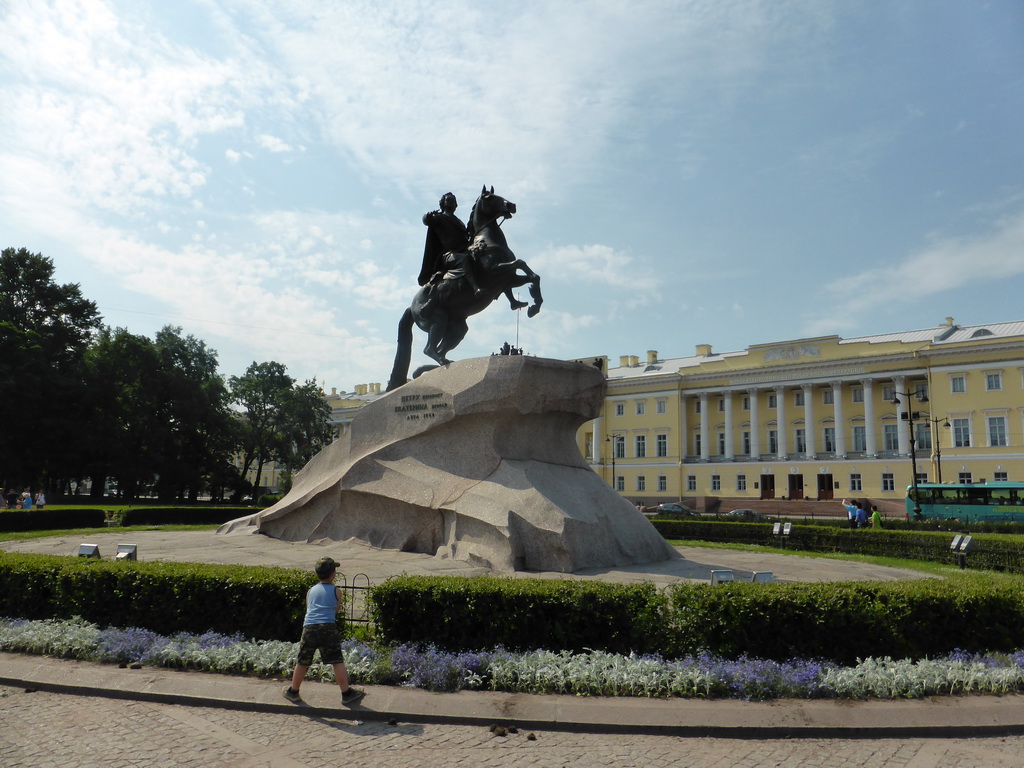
(452, 301)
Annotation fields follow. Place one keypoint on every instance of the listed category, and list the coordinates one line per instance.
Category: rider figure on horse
(447, 254)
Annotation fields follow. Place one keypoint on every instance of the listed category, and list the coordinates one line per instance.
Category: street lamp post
(937, 443)
(613, 440)
(921, 398)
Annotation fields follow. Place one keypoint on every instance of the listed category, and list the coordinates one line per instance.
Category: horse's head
(489, 207)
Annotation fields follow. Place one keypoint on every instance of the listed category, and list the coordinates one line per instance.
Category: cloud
(945, 264)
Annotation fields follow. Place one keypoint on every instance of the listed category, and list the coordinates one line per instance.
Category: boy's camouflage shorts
(322, 637)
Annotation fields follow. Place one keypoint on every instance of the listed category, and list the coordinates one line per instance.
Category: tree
(305, 426)
(282, 422)
(125, 411)
(262, 391)
(198, 424)
(44, 331)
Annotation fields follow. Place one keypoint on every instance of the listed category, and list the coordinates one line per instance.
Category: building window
(691, 482)
(888, 482)
(620, 409)
(773, 441)
(888, 393)
(721, 405)
(741, 482)
(857, 394)
(641, 407)
(921, 391)
(962, 433)
(922, 478)
(996, 430)
(745, 403)
(829, 433)
(964, 477)
(890, 437)
(662, 483)
(716, 483)
(696, 444)
(641, 446)
(855, 483)
(827, 397)
(696, 405)
(957, 384)
(745, 435)
(993, 381)
(620, 483)
(721, 443)
(801, 439)
(619, 442)
(661, 406)
(641, 483)
(798, 398)
(1001, 477)
(773, 401)
(860, 439)
(923, 436)
(661, 446)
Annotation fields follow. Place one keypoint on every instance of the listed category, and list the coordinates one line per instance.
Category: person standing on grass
(320, 632)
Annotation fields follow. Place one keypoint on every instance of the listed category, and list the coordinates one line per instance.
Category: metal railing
(356, 609)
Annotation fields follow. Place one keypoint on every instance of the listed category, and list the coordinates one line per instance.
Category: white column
(597, 441)
(755, 426)
(809, 419)
(840, 422)
(902, 432)
(682, 428)
(780, 417)
(730, 451)
(705, 433)
(870, 439)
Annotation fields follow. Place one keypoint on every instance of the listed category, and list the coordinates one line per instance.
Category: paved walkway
(378, 565)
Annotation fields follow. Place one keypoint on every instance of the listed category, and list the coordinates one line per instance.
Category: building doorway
(825, 485)
(796, 486)
(767, 486)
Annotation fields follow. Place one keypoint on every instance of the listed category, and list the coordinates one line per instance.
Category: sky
(723, 172)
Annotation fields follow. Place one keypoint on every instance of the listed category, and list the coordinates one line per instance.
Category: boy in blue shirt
(320, 632)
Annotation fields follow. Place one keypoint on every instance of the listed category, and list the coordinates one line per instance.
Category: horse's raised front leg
(512, 302)
(538, 299)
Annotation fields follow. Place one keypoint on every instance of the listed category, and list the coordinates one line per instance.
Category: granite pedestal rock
(475, 461)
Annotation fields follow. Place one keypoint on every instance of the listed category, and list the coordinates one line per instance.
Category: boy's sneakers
(292, 695)
(351, 696)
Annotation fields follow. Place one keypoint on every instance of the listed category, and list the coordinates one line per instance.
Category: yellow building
(820, 418)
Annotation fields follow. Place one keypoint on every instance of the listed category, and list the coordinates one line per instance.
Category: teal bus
(1000, 502)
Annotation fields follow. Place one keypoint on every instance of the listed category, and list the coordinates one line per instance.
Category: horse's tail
(403, 356)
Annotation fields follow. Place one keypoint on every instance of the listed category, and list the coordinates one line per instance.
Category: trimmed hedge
(990, 551)
(260, 603)
(462, 613)
(840, 621)
(50, 519)
(182, 515)
(845, 621)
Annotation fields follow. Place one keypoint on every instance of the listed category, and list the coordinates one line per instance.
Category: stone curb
(939, 717)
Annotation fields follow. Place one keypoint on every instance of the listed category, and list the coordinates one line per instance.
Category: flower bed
(593, 673)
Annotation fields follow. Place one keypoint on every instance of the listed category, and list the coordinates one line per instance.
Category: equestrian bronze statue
(465, 268)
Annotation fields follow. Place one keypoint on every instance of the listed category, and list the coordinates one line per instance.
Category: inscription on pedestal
(422, 406)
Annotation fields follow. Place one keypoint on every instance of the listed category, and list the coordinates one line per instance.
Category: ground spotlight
(127, 552)
(89, 550)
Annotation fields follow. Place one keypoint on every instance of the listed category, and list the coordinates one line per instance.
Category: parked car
(679, 510)
(746, 514)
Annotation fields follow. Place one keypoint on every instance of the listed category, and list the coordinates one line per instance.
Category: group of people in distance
(24, 500)
(858, 514)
